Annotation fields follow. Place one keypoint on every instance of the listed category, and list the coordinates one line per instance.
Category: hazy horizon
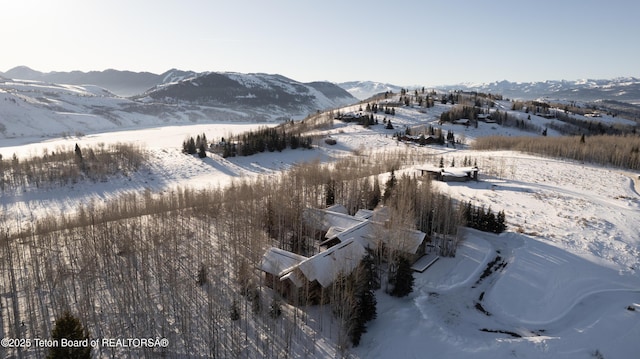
(413, 42)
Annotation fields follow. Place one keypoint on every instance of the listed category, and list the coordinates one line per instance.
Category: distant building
(484, 117)
(450, 174)
(462, 121)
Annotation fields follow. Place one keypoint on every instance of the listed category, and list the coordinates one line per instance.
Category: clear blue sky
(405, 43)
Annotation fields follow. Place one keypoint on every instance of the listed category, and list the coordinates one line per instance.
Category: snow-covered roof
(360, 231)
(324, 219)
(337, 208)
(406, 240)
(459, 171)
(429, 168)
(369, 234)
(325, 266)
(364, 213)
(276, 260)
(448, 171)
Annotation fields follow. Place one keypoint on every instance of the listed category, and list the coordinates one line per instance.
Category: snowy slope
(253, 91)
(33, 109)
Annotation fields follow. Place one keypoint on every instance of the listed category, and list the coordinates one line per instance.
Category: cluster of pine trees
(460, 112)
(503, 118)
(437, 134)
(265, 139)
(483, 219)
(198, 145)
(363, 120)
(421, 97)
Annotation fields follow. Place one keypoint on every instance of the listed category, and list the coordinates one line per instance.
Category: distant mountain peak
(363, 90)
(253, 91)
(625, 89)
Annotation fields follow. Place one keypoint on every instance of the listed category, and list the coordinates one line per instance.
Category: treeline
(567, 123)
(483, 219)
(265, 139)
(459, 112)
(70, 165)
(574, 126)
(196, 145)
(503, 118)
(286, 135)
(619, 151)
(471, 98)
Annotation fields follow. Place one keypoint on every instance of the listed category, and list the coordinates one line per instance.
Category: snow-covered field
(565, 278)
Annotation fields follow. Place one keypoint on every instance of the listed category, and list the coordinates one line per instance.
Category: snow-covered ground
(564, 279)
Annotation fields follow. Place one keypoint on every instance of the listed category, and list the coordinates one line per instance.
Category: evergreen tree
(79, 159)
(275, 309)
(330, 192)
(363, 301)
(202, 151)
(234, 312)
(374, 195)
(202, 275)
(403, 280)
(294, 142)
(256, 302)
(69, 327)
(189, 146)
(391, 183)
(78, 152)
(500, 219)
(490, 224)
(226, 150)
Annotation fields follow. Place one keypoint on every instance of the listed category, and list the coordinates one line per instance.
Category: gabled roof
(337, 208)
(276, 260)
(324, 219)
(364, 213)
(405, 240)
(370, 233)
(325, 266)
(359, 231)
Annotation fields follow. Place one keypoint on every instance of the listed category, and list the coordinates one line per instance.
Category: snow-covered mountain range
(122, 83)
(626, 89)
(251, 91)
(36, 107)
